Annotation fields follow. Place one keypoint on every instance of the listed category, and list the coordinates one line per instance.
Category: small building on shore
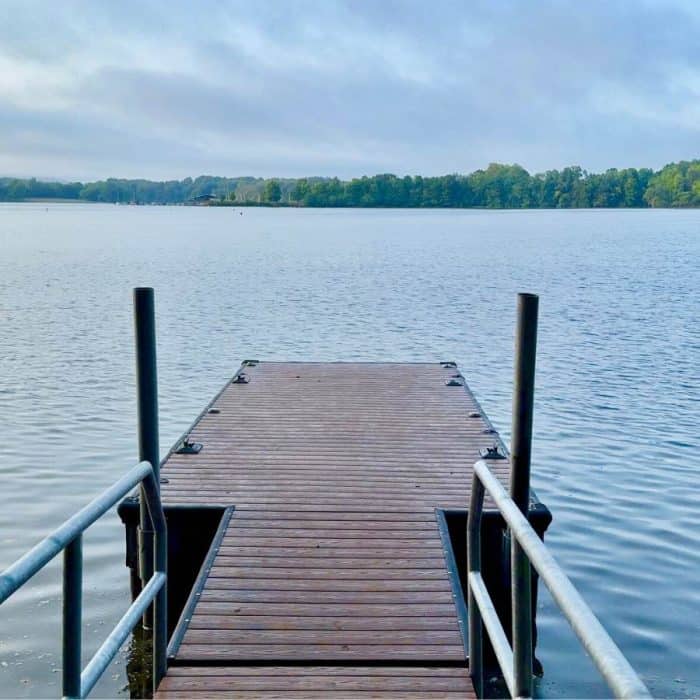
(201, 199)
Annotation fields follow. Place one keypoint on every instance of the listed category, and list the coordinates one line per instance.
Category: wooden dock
(331, 577)
(312, 540)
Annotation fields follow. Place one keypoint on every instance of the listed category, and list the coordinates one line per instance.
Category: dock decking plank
(315, 622)
(333, 553)
(404, 683)
(340, 651)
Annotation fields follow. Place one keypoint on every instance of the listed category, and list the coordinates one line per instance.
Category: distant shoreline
(292, 205)
(676, 185)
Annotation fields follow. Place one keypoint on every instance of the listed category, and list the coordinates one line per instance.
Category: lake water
(617, 410)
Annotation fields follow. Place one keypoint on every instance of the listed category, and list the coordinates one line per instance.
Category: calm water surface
(617, 411)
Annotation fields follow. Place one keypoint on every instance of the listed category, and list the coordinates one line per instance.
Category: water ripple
(617, 407)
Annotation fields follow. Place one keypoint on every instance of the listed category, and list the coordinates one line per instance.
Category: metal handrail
(68, 538)
(606, 655)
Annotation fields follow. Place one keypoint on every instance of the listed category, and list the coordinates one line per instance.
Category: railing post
(476, 652)
(147, 399)
(160, 606)
(72, 616)
(160, 615)
(521, 446)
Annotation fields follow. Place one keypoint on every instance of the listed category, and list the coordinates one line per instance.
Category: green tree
(498, 186)
(272, 192)
(675, 185)
(300, 191)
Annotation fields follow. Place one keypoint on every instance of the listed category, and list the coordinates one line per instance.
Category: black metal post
(72, 617)
(476, 653)
(147, 398)
(523, 400)
(521, 448)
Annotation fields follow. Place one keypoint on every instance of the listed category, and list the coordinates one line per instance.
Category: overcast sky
(168, 89)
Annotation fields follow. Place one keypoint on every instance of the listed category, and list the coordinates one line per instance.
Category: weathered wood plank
(408, 611)
(318, 505)
(324, 681)
(310, 694)
(272, 673)
(407, 621)
(431, 544)
(311, 553)
(336, 565)
(361, 530)
(282, 515)
(451, 651)
(388, 638)
(338, 501)
(239, 595)
(349, 683)
(386, 573)
(375, 585)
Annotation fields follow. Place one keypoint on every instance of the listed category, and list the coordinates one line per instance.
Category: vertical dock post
(147, 400)
(521, 447)
(72, 617)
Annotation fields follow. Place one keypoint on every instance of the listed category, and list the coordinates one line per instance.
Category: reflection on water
(615, 454)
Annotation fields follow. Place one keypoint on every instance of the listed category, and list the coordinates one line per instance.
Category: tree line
(496, 187)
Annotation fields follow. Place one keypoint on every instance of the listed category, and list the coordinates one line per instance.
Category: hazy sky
(169, 89)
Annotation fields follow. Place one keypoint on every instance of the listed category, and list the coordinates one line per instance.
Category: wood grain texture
(316, 682)
(340, 651)
(333, 552)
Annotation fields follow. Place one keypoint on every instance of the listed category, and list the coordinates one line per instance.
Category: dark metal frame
(453, 574)
(198, 587)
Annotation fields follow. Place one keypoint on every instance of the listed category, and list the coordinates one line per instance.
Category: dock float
(331, 576)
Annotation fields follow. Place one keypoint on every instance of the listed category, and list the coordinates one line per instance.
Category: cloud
(165, 90)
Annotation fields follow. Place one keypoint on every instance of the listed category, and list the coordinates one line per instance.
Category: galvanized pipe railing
(151, 605)
(613, 666)
(527, 549)
(68, 538)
